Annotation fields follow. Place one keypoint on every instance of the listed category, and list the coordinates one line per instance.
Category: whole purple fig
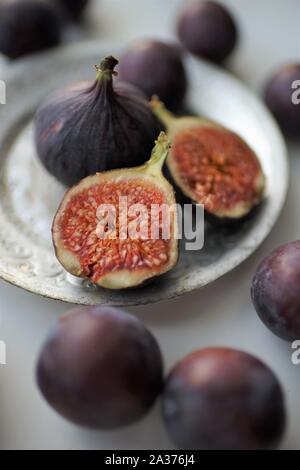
(156, 68)
(223, 399)
(275, 291)
(207, 29)
(94, 126)
(282, 96)
(100, 367)
(28, 26)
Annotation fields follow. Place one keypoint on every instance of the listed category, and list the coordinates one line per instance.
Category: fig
(275, 291)
(212, 165)
(157, 69)
(28, 26)
(208, 30)
(100, 367)
(223, 399)
(94, 126)
(74, 8)
(130, 245)
(282, 96)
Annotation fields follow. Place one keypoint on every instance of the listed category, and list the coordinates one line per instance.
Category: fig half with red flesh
(212, 165)
(113, 258)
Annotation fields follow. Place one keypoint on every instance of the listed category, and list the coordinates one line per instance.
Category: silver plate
(29, 197)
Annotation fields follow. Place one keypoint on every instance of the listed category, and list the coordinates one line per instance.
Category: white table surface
(221, 314)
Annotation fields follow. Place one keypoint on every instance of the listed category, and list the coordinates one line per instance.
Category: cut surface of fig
(212, 165)
(108, 228)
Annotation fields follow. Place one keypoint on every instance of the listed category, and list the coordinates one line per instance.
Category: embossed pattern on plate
(29, 196)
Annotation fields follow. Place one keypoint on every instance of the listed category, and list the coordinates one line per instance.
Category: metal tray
(29, 196)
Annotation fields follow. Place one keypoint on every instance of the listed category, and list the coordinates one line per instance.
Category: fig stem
(161, 112)
(106, 69)
(159, 154)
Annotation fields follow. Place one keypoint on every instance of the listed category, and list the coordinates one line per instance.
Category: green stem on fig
(106, 69)
(161, 112)
(159, 154)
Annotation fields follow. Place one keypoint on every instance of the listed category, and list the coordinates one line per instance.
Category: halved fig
(112, 227)
(212, 165)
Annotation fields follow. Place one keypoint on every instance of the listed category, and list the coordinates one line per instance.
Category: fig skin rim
(115, 281)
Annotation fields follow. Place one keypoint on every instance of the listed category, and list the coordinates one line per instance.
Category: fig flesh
(28, 26)
(212, 165)
(94, 126)
(100, 367)
(113, 254)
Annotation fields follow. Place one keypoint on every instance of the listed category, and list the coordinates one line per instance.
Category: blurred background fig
(156, 68)
(275, 291)
(100, 367)
(28, 26)
(207, 29)
(74, 8)
(94, 126)
(223, 399)
(101, 246)
(282, 96)
(212, 165)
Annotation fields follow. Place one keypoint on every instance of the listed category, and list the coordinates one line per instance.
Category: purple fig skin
(157, 69)
(278, 97)
(75, 8)
(223, 399)
(100, 368)
(207, 30)
(94, 126)
(28, 26)
(275, 291)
